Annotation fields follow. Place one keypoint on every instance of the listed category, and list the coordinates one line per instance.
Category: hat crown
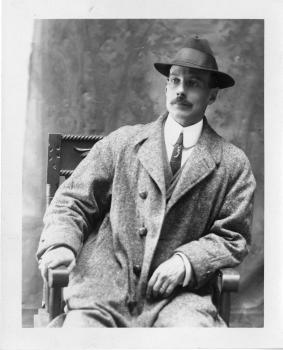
(198, 53)
(196, 58)
(200, 45)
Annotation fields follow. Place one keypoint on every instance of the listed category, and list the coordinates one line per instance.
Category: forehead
(190, 72)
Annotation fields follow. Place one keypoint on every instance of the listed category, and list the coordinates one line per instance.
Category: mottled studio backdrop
(93, 76)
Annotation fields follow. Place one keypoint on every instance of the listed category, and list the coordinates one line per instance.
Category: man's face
(188, 93)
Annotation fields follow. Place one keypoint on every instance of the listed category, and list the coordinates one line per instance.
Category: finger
(164, 287)
(43, 263)
(60, 260)
(72, 265)
(169, 290)
(157, 286)
(55, 263)
(151, 283)
(43, 271)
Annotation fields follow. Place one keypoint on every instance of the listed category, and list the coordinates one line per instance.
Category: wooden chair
(64, 154)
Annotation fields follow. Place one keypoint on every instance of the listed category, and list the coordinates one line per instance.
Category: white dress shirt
(191, 135)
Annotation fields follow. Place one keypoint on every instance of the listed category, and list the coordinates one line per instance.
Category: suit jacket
(112, 213)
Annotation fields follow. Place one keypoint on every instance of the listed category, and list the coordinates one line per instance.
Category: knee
(88, 318)
(193, 319)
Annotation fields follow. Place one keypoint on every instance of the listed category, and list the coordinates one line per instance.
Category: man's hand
(166, 277)
(55, 257)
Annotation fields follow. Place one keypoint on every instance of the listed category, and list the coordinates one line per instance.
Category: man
(154, 211)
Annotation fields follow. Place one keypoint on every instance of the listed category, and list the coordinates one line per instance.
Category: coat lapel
(150, 153)
(203, 160)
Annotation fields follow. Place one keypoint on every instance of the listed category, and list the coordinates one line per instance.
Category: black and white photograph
(165, 205)
(145, 179)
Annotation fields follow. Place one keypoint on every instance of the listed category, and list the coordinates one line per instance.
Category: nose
(181, 89)
(180, 94)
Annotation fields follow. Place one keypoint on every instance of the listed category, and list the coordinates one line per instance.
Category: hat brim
(223, 80)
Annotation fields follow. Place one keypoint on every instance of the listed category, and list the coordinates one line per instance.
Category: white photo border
(17, 17)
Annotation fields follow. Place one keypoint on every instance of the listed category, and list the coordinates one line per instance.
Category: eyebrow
(192, 76)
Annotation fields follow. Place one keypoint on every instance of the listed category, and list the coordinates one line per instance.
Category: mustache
(181, 100)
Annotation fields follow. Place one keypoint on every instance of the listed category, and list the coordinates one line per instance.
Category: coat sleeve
(81, 201)
(226, 243)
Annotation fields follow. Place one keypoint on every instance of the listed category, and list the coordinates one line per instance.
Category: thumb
(54, 263)
(71, 266)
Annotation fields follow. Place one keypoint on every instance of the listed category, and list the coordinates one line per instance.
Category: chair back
(64, 153)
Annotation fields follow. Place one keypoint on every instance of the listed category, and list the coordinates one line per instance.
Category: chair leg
(225, 305)
(55, 302)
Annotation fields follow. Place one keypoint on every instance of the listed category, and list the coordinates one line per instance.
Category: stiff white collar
(191, 133)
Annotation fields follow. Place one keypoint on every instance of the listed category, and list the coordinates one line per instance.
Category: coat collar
(205, 156)
(150, 151)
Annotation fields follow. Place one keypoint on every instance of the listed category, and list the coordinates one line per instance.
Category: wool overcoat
(112, 212)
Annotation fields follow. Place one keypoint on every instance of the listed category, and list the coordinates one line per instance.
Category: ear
(213, 95)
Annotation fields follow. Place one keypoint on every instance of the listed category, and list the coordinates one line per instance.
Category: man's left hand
(166, 277)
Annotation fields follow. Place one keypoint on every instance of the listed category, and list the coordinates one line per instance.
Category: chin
(181, 111)
(185, 119)
(185, 115)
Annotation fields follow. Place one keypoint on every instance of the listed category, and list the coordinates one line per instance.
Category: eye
(193, 83)
(173, 80)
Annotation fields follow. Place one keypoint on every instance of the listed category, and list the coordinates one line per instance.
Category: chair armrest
(57, 279)
(227, 280)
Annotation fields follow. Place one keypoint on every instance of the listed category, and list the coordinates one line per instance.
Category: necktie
(176, 157)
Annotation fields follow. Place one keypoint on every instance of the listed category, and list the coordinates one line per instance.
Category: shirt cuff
(188, 269)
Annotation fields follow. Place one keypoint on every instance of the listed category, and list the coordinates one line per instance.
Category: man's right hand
(56, 257)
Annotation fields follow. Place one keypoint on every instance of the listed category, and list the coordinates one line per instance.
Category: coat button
(137, 270)
(143, 194)
(143, 231)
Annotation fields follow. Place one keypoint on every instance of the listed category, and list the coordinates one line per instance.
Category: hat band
(198, 58)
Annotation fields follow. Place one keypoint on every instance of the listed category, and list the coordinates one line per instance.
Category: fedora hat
(198, 55)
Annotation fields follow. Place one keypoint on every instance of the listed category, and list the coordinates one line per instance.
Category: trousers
(184, 310)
